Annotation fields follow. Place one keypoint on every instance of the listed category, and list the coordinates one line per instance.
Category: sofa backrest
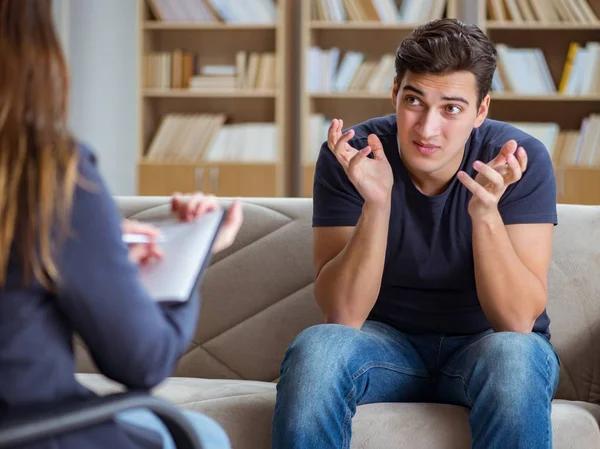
(257, 295)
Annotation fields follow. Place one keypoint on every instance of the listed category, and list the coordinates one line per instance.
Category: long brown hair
(38, 161)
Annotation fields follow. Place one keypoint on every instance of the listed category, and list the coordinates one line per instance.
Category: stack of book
(196, 138)
(229, 11)
(385, 11)
(181, 69)
(542, 11)
(354, 73)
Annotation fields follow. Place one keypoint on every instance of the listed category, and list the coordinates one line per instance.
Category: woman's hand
(190, 207)
(142, 253)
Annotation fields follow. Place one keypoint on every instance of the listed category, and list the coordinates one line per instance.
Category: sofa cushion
(245, 410)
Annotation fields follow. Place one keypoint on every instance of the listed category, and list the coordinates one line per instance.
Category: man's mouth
(425, 148)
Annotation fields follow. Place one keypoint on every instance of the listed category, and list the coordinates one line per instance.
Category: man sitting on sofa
(432, 241)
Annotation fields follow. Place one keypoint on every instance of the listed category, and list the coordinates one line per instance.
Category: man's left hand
(493, 179)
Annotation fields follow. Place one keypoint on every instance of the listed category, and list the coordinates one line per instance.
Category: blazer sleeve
(132, 339)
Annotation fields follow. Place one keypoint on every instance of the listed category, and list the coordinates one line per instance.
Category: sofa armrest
(29, 427)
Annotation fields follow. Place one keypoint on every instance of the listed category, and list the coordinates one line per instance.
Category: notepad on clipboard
(187, 250)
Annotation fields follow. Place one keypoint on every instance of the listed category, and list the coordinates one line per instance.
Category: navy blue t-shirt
(428, 282)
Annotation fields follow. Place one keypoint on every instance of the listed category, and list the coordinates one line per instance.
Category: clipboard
(187, 251)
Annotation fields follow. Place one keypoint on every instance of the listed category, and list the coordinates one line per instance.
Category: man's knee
(517, 365)
(320, 347)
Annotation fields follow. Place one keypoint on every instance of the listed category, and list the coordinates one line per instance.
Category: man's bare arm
(349, 263)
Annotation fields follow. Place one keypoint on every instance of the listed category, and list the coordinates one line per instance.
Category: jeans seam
(550, 387)
(347, 419)
(411, 372)
(464, 382)
(440, 352)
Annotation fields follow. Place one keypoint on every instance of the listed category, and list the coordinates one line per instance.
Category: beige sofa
(258, 295)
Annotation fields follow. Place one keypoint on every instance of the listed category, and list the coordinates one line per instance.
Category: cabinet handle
(214, 180)
(199, 178)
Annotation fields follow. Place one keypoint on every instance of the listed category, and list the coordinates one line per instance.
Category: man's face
(436, 114)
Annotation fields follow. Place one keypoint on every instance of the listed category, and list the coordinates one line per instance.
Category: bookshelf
(212, 98)
(551, 26)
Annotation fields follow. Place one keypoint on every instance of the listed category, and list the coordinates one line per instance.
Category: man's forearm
(511, 296)
(348, 285)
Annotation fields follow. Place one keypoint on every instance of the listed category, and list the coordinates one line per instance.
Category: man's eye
(413, 101)
(453, 109)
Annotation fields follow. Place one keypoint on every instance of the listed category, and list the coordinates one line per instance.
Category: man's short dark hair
(448, 45)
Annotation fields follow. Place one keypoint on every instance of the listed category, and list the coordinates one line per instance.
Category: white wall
(101, 48)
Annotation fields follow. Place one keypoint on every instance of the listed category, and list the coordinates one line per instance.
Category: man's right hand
(373, 178)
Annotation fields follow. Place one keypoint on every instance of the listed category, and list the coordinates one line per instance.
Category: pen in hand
(132, 238)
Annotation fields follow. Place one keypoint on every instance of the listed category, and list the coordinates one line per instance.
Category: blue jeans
(506, 379)
(210, 432)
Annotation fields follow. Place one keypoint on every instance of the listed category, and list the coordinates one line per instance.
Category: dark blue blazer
(133, 340)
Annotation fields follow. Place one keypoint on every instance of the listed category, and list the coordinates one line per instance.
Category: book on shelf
(182, 69)
(385, 11)
(261, 12)
(580, 75)
(353, 73)
(196, 138)
(566, 147)
(542, 11)
(513, 63)
(581, 72)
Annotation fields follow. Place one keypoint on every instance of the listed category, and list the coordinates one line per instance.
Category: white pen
(131, 238)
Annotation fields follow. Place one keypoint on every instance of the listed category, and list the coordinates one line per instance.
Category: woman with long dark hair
(64, 268)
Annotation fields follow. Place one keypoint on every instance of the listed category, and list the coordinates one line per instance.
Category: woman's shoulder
(85, 153)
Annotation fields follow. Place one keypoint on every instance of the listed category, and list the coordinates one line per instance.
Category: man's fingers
(515, 169)
(376, 147)
(490, 174)
(342, 150)
(334, 133)
(343, 140)
(474, 187)
(358, 157)
(509, 148)
(331, 136)
(522, 158)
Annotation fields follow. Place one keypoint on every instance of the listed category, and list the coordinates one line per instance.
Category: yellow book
(573, 49)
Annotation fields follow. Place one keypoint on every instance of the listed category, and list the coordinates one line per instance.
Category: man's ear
(395, 92)
(482, 113)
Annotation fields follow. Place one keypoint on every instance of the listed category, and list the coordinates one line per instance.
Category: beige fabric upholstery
(245, 410)
(257, 296)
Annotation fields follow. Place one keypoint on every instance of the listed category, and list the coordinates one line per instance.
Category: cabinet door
(578, 185)
(162, 179)
(242, 180)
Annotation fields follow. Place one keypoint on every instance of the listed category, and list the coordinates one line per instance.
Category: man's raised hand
(373, 178)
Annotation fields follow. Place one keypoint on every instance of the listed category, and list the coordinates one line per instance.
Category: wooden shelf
(370, 25)
(187, 93)
(200, 26)
(537, 26)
